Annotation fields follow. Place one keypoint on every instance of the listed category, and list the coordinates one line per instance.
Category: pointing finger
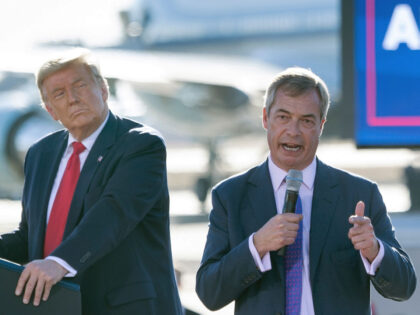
(360, 209)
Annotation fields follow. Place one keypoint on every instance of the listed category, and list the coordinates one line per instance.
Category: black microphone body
(294, 180)
(289, 206)
(290, 200)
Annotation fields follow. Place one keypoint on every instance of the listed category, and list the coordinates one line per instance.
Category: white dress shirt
(88, 143)
(305, 193)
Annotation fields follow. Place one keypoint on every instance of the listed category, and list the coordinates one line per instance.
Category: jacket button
(85, 257)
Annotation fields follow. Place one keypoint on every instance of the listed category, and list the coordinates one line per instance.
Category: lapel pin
(100, 158)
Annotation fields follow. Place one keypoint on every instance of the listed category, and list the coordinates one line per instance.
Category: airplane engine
(204, 112)
(201, 111)
(22, 122)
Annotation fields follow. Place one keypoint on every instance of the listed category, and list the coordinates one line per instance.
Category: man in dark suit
(341, 242)
(109, 229)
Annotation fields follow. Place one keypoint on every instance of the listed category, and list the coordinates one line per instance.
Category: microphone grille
(294, 179)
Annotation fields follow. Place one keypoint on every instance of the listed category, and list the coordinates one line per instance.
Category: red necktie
(62, 202)
(294, 264)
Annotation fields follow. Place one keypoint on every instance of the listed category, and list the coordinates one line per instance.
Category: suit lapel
(262, 205)
(48, 165)
(101, 146)
(262, 208)
(323, 208)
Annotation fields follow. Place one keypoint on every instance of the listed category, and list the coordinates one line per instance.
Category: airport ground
(186, 162)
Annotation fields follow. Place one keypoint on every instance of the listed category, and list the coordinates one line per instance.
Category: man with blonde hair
(95, 202)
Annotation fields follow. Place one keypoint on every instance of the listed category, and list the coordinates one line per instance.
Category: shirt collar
(277, 174)
(89, 141)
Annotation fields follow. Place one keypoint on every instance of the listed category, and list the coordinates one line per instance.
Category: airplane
(22, 121)
(200, 76)
(183, 95)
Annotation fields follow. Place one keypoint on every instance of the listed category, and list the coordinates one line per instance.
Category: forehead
(306, 103)
(66, 75)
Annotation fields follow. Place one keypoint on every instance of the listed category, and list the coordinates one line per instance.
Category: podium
(64, 297)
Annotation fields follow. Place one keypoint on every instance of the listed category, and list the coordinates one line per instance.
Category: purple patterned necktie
(294, 264)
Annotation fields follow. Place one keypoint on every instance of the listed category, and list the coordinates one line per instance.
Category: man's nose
(293, 127)
(72, 96)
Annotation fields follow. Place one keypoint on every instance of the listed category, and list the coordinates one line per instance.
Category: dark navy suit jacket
(339, 282)
(117, 232)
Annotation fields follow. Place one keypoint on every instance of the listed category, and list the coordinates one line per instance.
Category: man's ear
(50, 110)
(265, 118)
(323, 121)
(104, 92)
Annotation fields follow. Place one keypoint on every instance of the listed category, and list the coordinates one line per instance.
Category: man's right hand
(37, 279)
(281, 230)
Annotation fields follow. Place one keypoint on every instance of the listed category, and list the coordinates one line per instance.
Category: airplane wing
(193, 94)
(200, 97)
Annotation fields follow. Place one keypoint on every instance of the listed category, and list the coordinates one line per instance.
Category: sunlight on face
(293, 126)
(76, 99)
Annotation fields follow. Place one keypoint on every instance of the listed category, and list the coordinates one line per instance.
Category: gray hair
(296, 81)
(80, 56)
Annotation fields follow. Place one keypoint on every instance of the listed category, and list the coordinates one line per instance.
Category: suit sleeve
(225, 271)
(14, 245)
(395, 278)
(130, 192)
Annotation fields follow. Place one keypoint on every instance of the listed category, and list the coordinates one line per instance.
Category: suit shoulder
(235, 181)
(136, 131)
(344, 176)
(50, 139)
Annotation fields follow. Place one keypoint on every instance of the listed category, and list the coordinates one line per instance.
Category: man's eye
(58, 95)
(81, 85)
(283, 117)
(308, 123)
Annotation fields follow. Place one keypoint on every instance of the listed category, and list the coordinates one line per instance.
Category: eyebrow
(309, 116)
(72, 83)
(55, 90)
(77, 81)
(289, 113)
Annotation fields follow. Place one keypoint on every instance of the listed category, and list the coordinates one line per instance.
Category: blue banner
(387, 72)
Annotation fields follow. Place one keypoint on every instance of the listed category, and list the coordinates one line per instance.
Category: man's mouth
(78, 111)
(291, 147)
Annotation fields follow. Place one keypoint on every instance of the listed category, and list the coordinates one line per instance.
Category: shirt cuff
(71, 271)
(372, 267)
(263, 264)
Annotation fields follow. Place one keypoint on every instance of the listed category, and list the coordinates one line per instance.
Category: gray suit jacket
(340, 284)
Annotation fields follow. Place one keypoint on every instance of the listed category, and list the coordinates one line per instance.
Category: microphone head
(294, 179)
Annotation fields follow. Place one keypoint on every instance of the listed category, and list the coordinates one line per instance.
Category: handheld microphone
(293, 181)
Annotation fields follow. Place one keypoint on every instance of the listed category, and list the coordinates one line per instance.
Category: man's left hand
(362, 234)
(38, 277)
